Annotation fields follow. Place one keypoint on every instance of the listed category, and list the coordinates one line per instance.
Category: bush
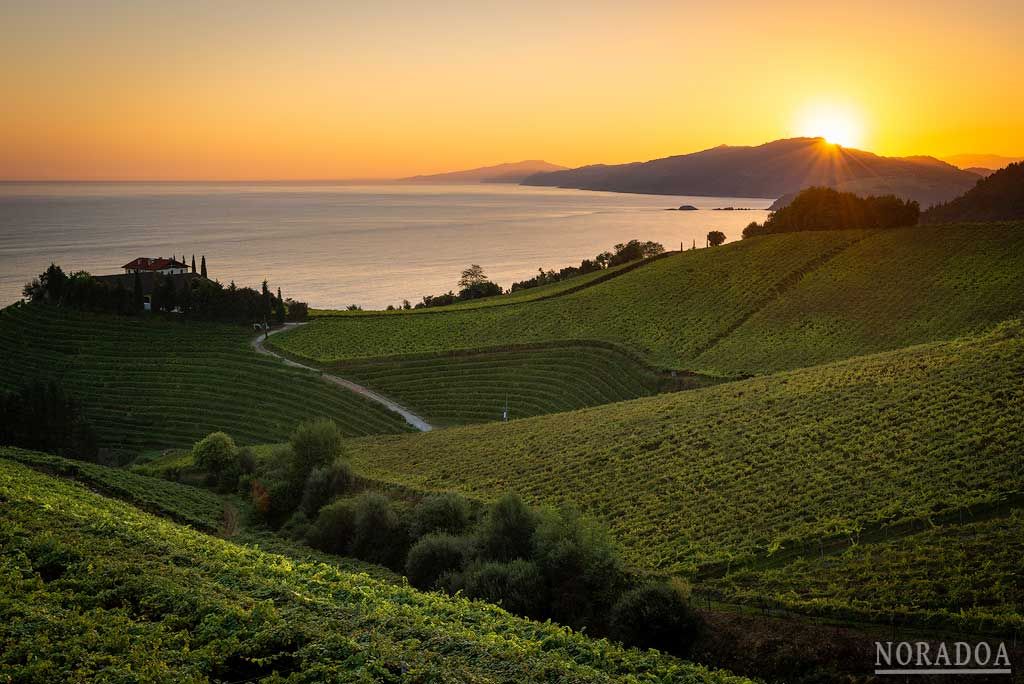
(518, 586)
(334, 528)
(215, 452)
(281, 486)
(325, 484)
(296, 527)
(581, 565)
(656, 616)
(315, 443)
(448, 512)
(716, 238)
(507, 530)
(432, 557)
(378, 535)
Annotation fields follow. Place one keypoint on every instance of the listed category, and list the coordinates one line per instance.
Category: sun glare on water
(837, 125)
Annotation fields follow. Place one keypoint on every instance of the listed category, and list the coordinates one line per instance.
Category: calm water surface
(334, 245)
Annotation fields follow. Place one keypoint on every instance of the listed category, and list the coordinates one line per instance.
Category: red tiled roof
(151, 264)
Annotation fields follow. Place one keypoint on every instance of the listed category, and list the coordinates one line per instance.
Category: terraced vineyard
(895, 289)
(965, 575)
(153, 383)
(97, 590)
(761, 305)
(744, 469)
(472, 388)
(668, 311)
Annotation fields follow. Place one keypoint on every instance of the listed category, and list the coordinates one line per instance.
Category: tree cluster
(623, 253)
(999, 197)
(824, 208)
(40, 415)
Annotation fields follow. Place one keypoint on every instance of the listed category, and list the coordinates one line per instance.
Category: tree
(202, 268)
(193, 263)
(265, 302)
(315, 443)
(507, 531)
(655, 616)
(715, 238)
(472, 276)
(279, 314)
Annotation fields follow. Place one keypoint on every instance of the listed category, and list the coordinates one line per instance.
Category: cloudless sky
(244, 89)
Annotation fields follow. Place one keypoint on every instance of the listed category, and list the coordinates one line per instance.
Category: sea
(337, 244)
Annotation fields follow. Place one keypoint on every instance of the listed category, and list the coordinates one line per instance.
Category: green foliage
(151, 384)
(434, 556)
(218, 456)
(447, 512)
(824, 208)
(315, 443)
(506, 532)
(144, 599)
(657, 616)
(378, 535)
(40, 415)
(334, 527)
(684, 479)
(517, 586)
(324, 484)
(999, 197)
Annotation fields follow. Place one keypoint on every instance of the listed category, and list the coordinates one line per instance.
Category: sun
(837, 125)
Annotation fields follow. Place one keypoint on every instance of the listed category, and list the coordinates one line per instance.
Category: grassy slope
(735, 470)
(472, 388)
(155, 383)
(95, 589)
(668, 310)
(893, 290)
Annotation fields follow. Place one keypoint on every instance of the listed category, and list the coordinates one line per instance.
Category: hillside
(97, 590)
(788, 300)
(990, 162)
(154, 383)
(746, 468)
(998, 197)
(772, 170)
(500, 173)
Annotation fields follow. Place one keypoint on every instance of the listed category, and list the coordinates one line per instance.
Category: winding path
(410, 417)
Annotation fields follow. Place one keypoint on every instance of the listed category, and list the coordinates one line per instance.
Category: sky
(311, 89)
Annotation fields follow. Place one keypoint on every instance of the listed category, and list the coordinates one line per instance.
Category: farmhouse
(150, 272)
(157, 265)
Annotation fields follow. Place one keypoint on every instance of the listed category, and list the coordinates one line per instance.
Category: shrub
(315, 443)
(432, 557)
(296, 527)
(215, 452)
(715, 238)
(325, 484)
(581, 565)
(657, 616)
(282, 487)
(507, 530)
(447, 512)
(334, 527)
(517, 585)
(378, 535)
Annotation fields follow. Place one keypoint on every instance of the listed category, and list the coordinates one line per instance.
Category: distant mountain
(999, 197)
(992, 162)
(501, 173)
(775, 169)
(980, 170)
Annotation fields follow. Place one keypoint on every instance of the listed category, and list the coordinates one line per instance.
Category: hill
(97, 590)
(750, 469)
(152, 383)
(789, 300)
(773, 170)
(998, 197)
(501, 173)
(990, 162)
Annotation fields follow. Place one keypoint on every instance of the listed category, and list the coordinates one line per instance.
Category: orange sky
(104, 89)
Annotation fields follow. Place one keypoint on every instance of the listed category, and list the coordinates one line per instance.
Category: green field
(760, 305)
(152, 383)
(94, 589)
(748, 468)
(475, 387)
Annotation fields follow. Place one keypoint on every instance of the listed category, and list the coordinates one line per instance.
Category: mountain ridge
(772, 170)
(509, 172)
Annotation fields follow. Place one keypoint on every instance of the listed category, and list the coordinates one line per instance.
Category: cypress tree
(193, 263)
(203, 266)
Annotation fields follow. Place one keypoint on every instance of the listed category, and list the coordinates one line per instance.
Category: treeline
(622, 253)
(549, 563)
(828, 209)
(40, 415)
(188, 295)
(999, 197)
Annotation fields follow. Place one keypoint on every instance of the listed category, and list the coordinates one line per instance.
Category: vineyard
(750, 468)
(965, 575)
(668, 310)
(94, 589)
(154, 383)
(476, 387)
(761, 305)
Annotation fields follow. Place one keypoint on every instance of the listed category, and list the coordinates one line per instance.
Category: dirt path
(410, 417)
